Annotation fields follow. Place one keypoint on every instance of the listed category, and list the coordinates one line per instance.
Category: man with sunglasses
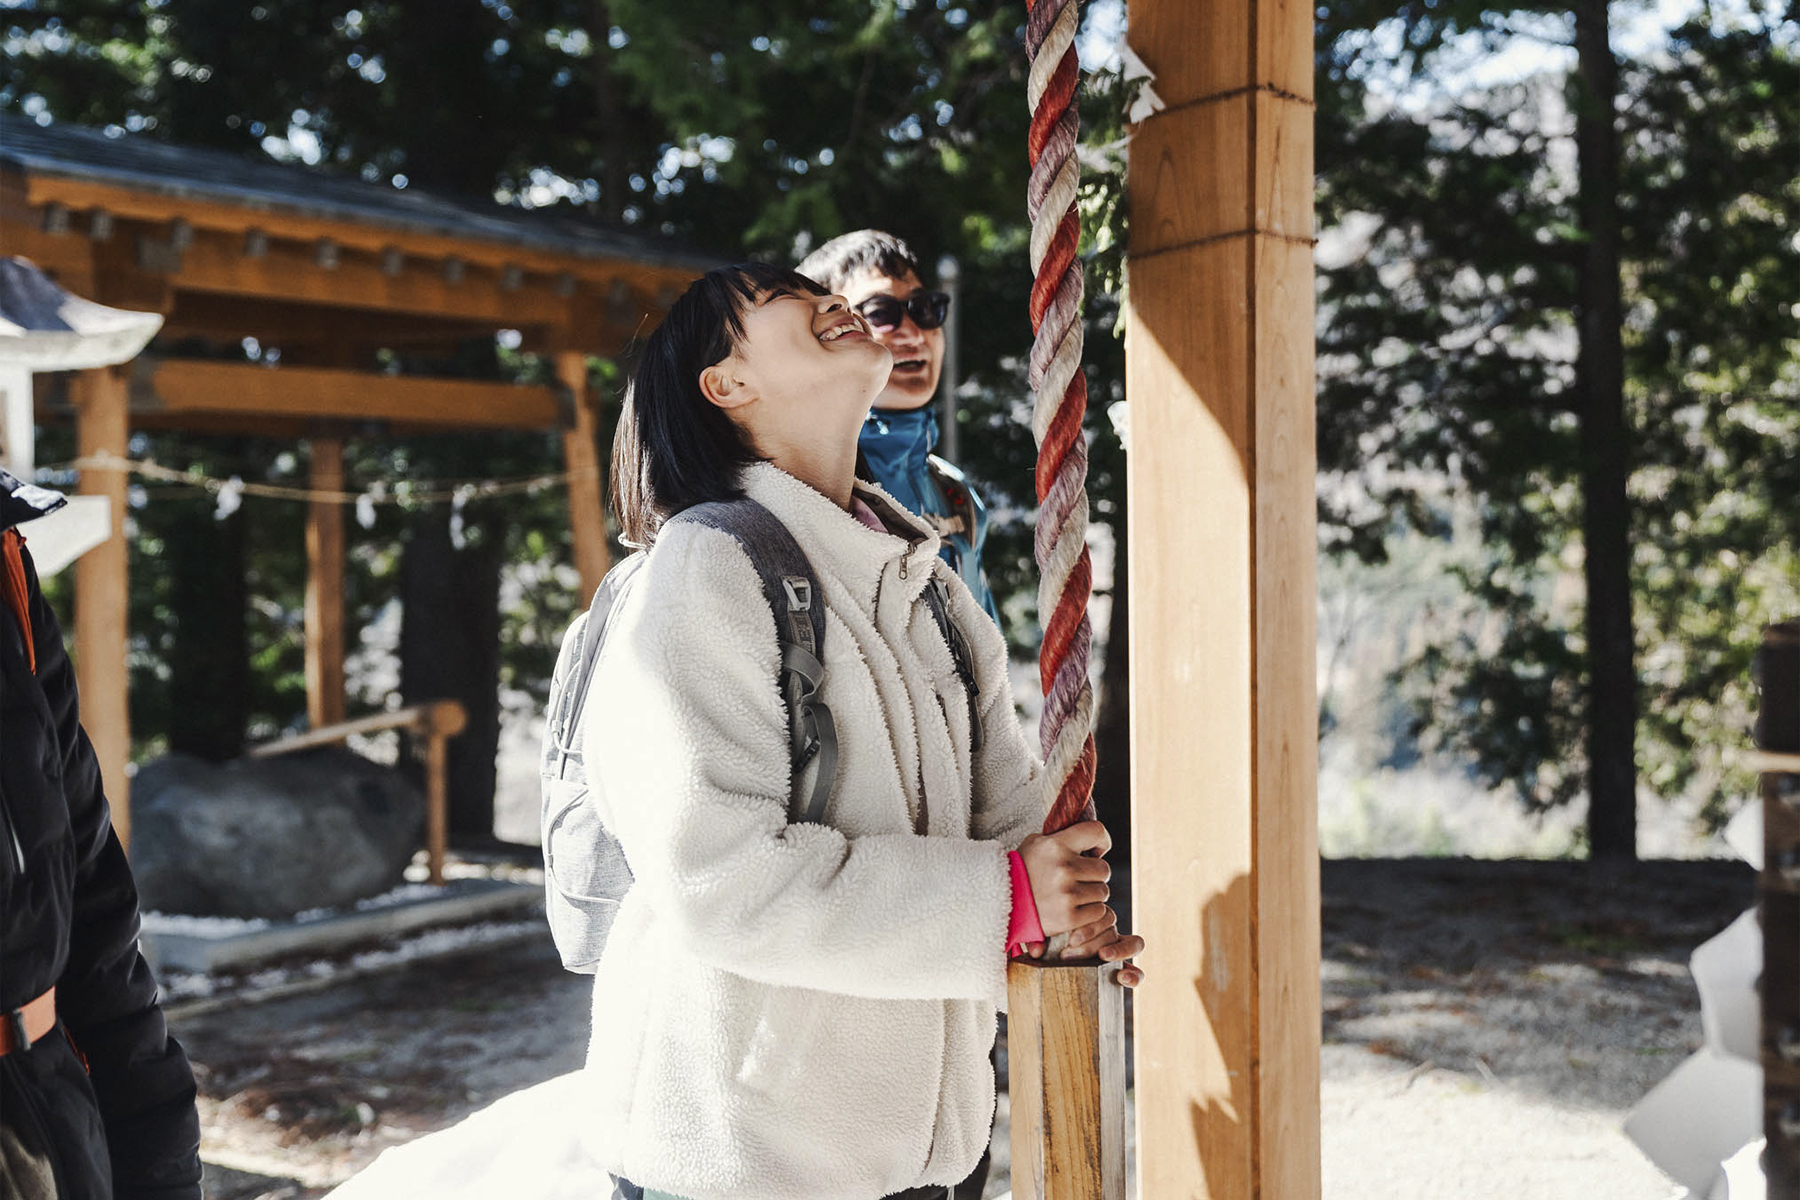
(880, 277)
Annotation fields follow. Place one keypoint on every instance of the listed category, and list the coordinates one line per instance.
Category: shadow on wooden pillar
(1065, 1055)
(325, 586)
(102, 591)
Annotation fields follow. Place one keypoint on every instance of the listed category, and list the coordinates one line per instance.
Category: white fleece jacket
(788, 1011)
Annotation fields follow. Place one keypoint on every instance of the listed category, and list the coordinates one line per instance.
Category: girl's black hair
(674, 447)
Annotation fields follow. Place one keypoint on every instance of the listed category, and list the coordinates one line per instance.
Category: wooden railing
(437, 722)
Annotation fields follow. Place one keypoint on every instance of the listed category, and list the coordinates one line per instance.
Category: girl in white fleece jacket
(788, 1010)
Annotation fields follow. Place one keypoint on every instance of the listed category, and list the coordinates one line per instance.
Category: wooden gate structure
(331, 271)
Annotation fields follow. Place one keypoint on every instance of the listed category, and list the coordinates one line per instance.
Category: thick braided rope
(1060, 401)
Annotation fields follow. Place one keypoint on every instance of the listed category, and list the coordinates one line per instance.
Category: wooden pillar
(102, 594)
(1778, 902)
(325, 586)
(1219, 373)
(581, 458)
(1065, 1054)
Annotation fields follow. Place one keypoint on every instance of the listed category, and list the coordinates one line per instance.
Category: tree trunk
(450, 650)
(609, 113)
(1612, 678)
(210, 651)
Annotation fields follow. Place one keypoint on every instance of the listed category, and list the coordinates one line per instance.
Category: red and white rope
(1060, 401)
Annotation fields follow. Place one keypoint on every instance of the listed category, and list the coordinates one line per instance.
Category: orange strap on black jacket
(13, 589)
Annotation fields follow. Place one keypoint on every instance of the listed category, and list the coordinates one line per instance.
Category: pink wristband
(1023, 926)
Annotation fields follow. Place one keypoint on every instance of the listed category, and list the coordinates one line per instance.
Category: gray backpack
(585, 873)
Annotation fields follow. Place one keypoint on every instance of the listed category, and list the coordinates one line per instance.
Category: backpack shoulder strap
(565, 723)
(792, 590)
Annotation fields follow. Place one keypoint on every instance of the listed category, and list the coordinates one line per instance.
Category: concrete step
(206, 946)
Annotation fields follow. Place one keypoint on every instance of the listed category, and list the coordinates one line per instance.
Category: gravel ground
(1487, 1025)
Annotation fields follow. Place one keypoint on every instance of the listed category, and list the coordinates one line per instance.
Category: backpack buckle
(799, 592)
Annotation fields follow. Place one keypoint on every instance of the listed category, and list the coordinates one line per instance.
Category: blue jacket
(896, 446)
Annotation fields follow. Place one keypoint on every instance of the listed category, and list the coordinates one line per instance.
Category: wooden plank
(66, 257)
(324, 604)
(1068, 1109)
(1286, 893)
(1025, 1085)
(1284, 194)
(1778, 902)
(581, 458)
(102, 594)
(215, 263)
(1178, 197)
(437, 805)
(1219, 375)
(1195, 50)
(128, 204)
(290, 429)
(181, 386)
(283, 323)
(447, 717)
(1284, 46)
(1187, 377)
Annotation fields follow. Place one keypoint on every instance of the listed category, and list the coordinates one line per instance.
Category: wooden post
(102, 593)
(446, 719)
(1219, 373)
(1065, 1055)
(325, 586)
(1778, 731)
(581, 458)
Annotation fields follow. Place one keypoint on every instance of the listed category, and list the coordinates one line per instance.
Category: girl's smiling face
(805, 370)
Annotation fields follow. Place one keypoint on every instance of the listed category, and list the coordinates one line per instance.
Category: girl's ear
(723, 385)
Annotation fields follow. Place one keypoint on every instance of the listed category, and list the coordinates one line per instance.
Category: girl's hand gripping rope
(1069, 885)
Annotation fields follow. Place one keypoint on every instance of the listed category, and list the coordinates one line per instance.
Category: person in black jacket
(96, 1099)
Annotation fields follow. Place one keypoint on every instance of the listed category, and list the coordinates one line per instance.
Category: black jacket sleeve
(106, 995)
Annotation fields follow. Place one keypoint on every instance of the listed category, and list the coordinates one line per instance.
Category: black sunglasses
(927, 309)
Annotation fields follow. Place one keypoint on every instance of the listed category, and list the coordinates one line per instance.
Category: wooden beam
(183, 386)
(68, 260)
(280, 323)
(102, 594)
(1065, 1056)
(1219, 372)
(581, 458)
(325, 586)
(290, 271)
(368, 237)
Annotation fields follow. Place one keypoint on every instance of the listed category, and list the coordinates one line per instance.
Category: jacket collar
(858, 556)
(896, 442)
(21, 502)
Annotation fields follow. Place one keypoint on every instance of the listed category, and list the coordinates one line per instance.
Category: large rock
(270, 837)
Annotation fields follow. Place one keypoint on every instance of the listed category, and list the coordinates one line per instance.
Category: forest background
(1558, 318)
